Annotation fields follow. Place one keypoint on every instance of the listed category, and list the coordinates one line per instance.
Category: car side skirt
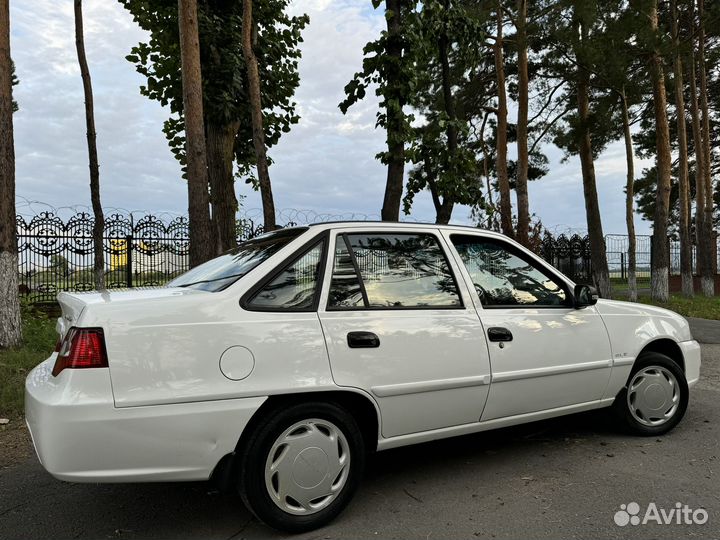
(475, 427)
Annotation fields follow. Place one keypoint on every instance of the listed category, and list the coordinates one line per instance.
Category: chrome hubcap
(653, 395)
(307, 466)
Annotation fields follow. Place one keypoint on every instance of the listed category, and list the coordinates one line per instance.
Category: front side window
(223, 271)
(503, 278)
(295, 287)
(391, 271)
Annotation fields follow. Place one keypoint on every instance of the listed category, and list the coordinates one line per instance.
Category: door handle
(497, 333)
(363, 340)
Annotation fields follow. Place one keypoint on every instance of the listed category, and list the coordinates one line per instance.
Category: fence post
(128, 260)
(652, 256)
(622, 266)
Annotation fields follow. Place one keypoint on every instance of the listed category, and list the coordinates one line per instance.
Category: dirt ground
(15, 443)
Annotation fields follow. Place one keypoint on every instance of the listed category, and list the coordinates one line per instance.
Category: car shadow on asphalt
(182, 510)
(497, 444)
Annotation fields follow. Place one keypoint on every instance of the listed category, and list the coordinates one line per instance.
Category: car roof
(325, 225)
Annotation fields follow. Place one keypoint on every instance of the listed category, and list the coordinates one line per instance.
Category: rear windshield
(223, 271)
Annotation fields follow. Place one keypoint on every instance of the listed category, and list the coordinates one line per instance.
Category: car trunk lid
(73, 304)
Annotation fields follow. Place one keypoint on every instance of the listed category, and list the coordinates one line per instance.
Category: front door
(399, 325)
(544, 353)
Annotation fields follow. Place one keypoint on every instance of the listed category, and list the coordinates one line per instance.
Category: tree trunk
(702, 241)
(707, 281)
(660, 264)
(443, 207)
(489, 205)
(521, 184)
(258, 132)
(395, 138)
(501, 139)
(629, 195)
(444, 212)
(683, 181)
(601, 275)
(10, 327)
(201, 242)
(99, 221)
(220, 153)
(598, 258)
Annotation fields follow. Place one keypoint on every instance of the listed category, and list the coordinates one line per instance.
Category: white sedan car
(276, 367)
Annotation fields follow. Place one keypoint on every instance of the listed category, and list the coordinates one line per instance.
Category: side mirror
(585, 296)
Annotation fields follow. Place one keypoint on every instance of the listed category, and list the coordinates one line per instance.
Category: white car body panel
(419, 384)
(189, 369)
(83, 437)
(558, 357)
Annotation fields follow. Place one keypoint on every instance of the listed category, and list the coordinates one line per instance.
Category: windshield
(223, 271)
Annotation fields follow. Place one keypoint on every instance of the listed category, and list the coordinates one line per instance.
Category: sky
(324, 166)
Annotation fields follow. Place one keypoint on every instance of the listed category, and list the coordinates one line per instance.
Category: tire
(655, 397)
(302, 466)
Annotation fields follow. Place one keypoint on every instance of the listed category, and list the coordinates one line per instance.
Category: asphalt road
(562, 478)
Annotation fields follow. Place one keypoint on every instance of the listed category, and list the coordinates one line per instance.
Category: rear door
(399, 325)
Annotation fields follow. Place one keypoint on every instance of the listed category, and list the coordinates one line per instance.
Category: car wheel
(655, 397)
(302, 466)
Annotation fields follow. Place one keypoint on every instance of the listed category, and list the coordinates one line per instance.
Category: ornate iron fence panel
(617, 250)
(56, 254)
(570, 255)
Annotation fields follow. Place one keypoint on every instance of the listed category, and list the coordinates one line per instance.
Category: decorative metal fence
(570, 255)
(57, 255)
(617, 249)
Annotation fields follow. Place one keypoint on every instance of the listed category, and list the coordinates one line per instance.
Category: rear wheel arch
(363, 409)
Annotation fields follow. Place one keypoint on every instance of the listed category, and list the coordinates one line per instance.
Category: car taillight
(58, 344)
(81, 348)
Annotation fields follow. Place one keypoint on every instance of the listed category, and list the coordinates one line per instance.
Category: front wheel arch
(665, 346)
(621, 409)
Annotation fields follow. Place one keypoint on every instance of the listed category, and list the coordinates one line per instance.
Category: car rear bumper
(80, 436)
(691, 355)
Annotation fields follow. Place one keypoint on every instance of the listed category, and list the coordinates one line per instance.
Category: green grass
(39, 338)
(697, 306)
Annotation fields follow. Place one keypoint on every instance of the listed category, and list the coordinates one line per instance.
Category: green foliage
(59, 264)
(395, 80)
(468, 175)
(15, 81)
(609, 54)
(644, 189)
(453, 174)
(644, 138)
(225, 96)
(39, 337)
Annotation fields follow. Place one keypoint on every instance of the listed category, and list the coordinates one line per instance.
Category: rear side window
(223, 271)
(391, 271)
(295, 287)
